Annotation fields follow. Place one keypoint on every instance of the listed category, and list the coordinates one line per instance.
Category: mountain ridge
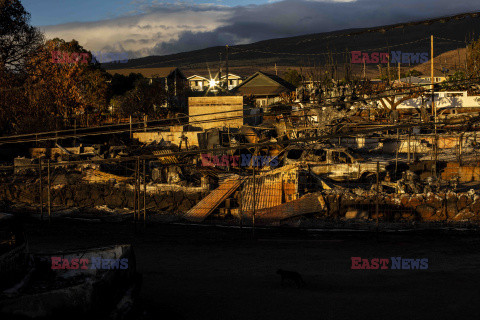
(333, 47)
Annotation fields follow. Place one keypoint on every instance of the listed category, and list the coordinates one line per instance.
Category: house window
(261, 102)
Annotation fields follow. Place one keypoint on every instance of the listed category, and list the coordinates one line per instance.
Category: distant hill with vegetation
(331, 48)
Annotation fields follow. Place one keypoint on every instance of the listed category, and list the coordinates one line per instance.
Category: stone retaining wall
(91, 195)
(449, 206)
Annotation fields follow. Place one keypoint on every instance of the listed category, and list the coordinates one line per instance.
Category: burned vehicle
(100, 281)
(338, 164)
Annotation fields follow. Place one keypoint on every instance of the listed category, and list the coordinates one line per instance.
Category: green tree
(293, 76)
(145, 99)
(413, 73)
(120, 84)
(68, 87)
(18, 39)
(473, 59)
(455, 82)
(48, 89)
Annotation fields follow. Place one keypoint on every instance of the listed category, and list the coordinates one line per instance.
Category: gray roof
(414, 80)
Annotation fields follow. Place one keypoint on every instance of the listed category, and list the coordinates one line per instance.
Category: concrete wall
(203, 105)
(173, 137)
(52, 153)
(443, 102)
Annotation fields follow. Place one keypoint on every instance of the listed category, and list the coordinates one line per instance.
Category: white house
(455, 100)
(198, 83)
(233, 80)
(201, 83)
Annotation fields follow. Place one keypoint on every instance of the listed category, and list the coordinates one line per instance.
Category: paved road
(210, 273)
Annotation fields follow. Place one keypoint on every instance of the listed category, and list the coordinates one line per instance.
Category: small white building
(198, 83)
(201, 83)
(233, 80)
(455, 100)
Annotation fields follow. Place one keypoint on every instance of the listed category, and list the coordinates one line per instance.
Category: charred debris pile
(304, 162)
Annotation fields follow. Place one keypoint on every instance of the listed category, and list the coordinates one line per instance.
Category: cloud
(161, 28)
(139, 34)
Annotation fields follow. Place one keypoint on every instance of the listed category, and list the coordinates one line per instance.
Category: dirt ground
(193, 272)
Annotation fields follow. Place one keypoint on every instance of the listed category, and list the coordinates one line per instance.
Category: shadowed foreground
(194, 272)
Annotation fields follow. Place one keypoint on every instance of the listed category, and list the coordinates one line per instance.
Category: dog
(293, 276)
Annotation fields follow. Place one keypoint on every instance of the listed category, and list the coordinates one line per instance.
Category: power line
(378, 97)
(328, 53)
(199, 115)
(243, 146)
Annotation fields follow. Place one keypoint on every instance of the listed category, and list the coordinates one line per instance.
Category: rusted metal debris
(264, 192)
(339, 164)
(273, 188)
(165, 159)
(309, 203)
(206, 206)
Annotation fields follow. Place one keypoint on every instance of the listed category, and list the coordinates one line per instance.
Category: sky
(159, 27)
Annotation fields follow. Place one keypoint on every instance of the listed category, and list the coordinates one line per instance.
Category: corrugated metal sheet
(290, 185)
(100, 176)
(268, 192)
(167, 159)
(272, 188)
(206, 206)
(210, 171)
(310, 203)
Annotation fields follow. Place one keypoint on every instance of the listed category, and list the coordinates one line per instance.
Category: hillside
(318, 49)
(451, 60)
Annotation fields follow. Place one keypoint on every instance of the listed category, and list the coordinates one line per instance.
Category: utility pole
(377, 194)
(175, 83)
(399, 74)
(388, 68)
(396, 153)
(460, 149)
(434, 109)
(409, 132)
(254, 198)
(220, 71)
(49, 198)
(364, 70)
(144, 193)
(226, 66)
(75, 132)
(138, 188)
(431, 74)
(41, 187)
(135, 193)
(131, 136)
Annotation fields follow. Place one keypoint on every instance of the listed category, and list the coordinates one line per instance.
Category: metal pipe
(41, 188)
(144, 192)
(135, 193)
(138, 188)
(254, 199)
(49, 191)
